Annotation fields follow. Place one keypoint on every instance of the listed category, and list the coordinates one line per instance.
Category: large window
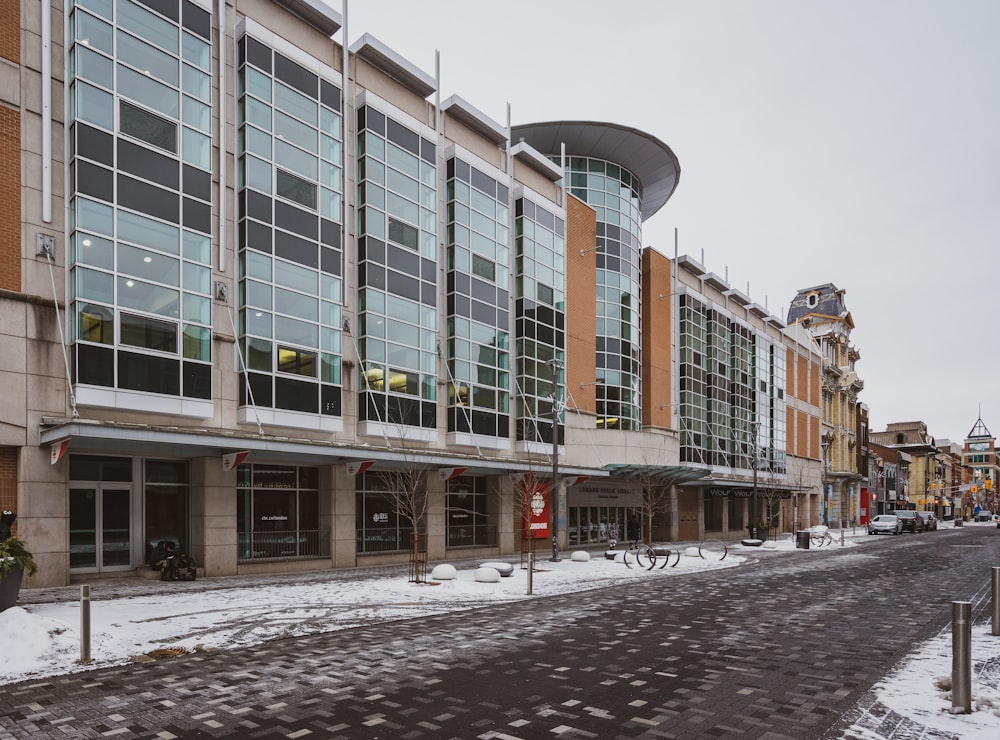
(397, 271)
(540, 318)
(478, 298)
(469, 522)
(278, 513)
(141, 197)
(291, 287)
(379, 527)
(166, 485)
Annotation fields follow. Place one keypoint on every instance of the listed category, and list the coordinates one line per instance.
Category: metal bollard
(961, 657)
(996, 601)
(84, 624)
(531, 570)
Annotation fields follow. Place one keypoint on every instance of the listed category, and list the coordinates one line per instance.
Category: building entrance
(100, 527)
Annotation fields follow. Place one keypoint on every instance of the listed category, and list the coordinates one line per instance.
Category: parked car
(885, 524)
(910, 519)
(930, 521)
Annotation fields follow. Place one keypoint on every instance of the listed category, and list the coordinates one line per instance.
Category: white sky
(44, 639)
(820, 141)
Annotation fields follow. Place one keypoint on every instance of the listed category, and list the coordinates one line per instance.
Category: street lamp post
(756, 458)
(825, 444)
(554, 495)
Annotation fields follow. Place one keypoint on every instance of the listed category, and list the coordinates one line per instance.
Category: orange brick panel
(581, 303)
(10, 197)
(10, 30)
(656, 334)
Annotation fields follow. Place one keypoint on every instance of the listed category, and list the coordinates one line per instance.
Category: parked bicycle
(820, 536)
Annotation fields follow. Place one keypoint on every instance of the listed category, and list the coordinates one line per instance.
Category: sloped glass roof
(667, 475)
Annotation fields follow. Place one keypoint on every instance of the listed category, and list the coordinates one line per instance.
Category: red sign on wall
(536, 524)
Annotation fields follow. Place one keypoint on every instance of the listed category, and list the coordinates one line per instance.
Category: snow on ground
(44, 639)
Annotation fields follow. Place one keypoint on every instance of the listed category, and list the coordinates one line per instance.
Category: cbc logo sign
(537, 503)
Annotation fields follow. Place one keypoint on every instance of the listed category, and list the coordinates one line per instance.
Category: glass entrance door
(100, 528)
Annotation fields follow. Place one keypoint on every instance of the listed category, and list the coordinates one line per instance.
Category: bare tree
(405, 488)
(654, 499)
(769, 508)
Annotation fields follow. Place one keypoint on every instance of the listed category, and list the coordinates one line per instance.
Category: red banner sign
(536, 525)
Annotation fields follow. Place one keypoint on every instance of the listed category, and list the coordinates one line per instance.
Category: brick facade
(10, 196)
(8, 479)
(581, 315)
(657, 329)
(10, 30)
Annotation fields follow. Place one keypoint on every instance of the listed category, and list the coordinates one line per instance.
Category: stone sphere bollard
(486, 575)
(444, 572)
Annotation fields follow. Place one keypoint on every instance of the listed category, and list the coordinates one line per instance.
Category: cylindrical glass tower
(625, 176)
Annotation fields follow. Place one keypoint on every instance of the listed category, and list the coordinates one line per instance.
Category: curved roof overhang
(645, 156)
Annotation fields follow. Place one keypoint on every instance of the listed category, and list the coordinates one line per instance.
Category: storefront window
(277, 514)
(735, 513)
(714, 506)
(166, 487)
(468, 519)
(379, 526)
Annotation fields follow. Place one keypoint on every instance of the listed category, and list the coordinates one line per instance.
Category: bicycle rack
(706, 543)
(652, 554)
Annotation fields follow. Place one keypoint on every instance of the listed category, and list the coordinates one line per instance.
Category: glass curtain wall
(615, 194)
(290, 214)
(692, 345)
(140, 189)
(540, 316)
(732, 382)
(478, 299)
(397, 272)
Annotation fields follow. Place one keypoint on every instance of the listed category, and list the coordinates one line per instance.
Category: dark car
(930, 521)
(910, 519)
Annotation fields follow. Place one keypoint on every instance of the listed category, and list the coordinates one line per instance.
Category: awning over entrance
(665, 475)
(119, 438)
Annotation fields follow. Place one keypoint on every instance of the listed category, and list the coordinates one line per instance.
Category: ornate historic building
(822, 312)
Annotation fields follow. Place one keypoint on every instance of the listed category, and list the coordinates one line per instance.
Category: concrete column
(501, 505)
(43, 515)
(213, 516)
(435, 519)
(674, 515)
(343, 516)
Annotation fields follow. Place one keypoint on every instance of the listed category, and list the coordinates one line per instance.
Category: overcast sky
(853, 142)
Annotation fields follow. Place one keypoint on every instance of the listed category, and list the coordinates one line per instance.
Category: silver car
(885, 524)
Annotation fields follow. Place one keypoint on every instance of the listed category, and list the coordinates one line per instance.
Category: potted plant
(14, 561)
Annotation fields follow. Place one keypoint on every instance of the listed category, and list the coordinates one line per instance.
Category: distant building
(892, 485)
(979, 455)
(821, 310)
(927, 470)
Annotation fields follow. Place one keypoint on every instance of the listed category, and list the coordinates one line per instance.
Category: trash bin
(802, 539)
(958, 521)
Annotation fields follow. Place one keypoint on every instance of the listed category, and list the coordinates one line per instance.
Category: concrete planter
(10, 588)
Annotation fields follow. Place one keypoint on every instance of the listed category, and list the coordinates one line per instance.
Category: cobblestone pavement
(778, 648)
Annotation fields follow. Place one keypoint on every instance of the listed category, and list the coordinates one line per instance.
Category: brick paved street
(778, 648)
